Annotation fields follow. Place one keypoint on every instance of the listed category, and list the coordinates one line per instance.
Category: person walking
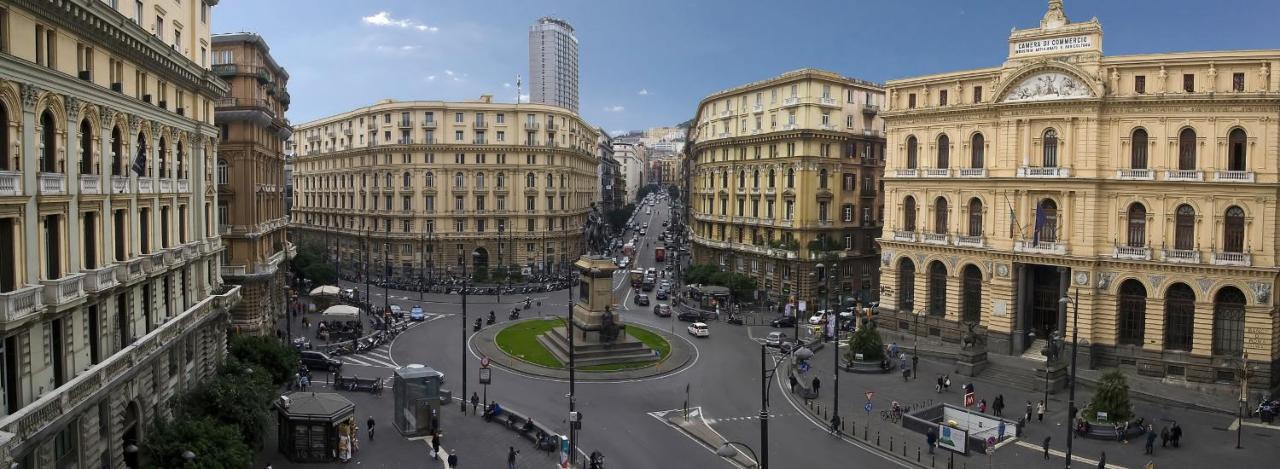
(1040, 411)
(1102, 461)
(1045, 445)
(915, 366)
(1151, 440)
(931, 437)
(1028, 419)
(998, 405)
(792, 379)
(982, 406)
(1164, 436)
(453, 458)
(369, 423)
(817, 383)
(475, 402)
(511, 457)
(1175, 435)
(938, 388)
(435, 445)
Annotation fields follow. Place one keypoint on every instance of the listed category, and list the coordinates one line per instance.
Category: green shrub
(866, 340)
(216, 445)
(1112, 397)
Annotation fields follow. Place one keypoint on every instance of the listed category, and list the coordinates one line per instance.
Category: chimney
(486, 98)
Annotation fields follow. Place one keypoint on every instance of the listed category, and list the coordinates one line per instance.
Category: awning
(331, 290)
(342, 312)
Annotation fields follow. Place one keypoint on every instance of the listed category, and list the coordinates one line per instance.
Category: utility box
(417, 400)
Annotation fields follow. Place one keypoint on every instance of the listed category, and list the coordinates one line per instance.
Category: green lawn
(521, 341)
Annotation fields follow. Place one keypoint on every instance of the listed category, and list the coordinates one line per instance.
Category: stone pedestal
(1056, 370)
(971, 361)
(599, 334)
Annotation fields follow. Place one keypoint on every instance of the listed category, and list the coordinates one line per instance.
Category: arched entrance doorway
(130, 439)
(480, 259)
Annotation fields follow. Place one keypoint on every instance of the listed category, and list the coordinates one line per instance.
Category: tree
(320, 274)
(741, 286)
(264, 354)
(674, 192)
(866, 341)
(1112, 397)
(237, 397)
(216, 445)
(618, 217)
(700, 274)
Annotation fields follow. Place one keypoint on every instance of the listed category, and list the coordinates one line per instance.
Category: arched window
(912, 152)
(755, 178)
(937, 289)
(1236, 160)
(501, 180)
(162, 155)
(141, 148)
(459, 180)
(86, 147)
(822, 178)
(479, 180)
(909, 214)
(724, 179)
(944, 152)
(1179, 317)
(4, 137)
(977, 151)
(180, 166)
(742, 178)
(1050, 148)
(551, 181)
(530, 180)
(1131, 309)
(1046, 230)
(117, 152)
(1137, 223)
(1187, 149)
(408, 179)
(1138, 149)
(791, 178)
(940, 215)
(223, 177)
(49, 143)
(975, 217)
(431, 179)
(906, 284)
(1184, 229)
(1228, 322)
(771, 177)
(387, 177)
(972, 302)
(1233, 230)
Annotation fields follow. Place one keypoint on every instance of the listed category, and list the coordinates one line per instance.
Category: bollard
(890, 443)
(904, 451)
(864, 432)
(824, 415)
(917, 454)
(842, 425)
(877, 437)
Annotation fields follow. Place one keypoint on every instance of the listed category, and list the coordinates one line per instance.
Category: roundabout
(515, 346)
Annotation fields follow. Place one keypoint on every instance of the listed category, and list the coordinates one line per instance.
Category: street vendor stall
(312, 425)
(339, 322)
(326, 295)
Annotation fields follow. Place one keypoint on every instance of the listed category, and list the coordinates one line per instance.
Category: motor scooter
(492, 319)
(735, 320)
(515, 314)
(476, 328)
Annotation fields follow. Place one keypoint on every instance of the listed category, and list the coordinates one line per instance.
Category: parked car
(642, 299)
(662, 310)
(690, 316)
(784, 321)
(699, 329)
(819, 317)
(775, 339)
(417, 314)
(317, 360)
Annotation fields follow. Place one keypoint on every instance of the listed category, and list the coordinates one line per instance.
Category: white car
(699, 329)
(818, 318)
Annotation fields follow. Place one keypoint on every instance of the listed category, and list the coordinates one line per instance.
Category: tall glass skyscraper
(553, 63)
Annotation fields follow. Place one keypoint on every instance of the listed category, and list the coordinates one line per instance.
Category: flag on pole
(1035, 241)
(140, 161)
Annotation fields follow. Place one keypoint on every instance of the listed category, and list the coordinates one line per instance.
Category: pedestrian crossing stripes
(744, 419)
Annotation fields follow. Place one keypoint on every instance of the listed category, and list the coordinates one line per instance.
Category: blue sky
(647, 63)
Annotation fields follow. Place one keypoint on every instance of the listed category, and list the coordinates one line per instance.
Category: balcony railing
(971, 172)
(90, 184)
(1232, 258)
(792, 101)
(870, 108)
(970, 241)
(224, 229)
(135, 268)
(1042, 247)
(1043, 172)
(827, 101)
(154, 262)
(184, 185)
(757, 108)
(935, 238)
(937, 172)
(1141, 253)
(63, 290)
(1183, 175)
(166, 185)
(481, 124)
(120, 185)
(146, 185)
(909, 236)
(53, 183)
(21, 303)
(10, 182)
(1182, 256)
(790, 127)
(1233, 176)
(905, 173)
(1135, 174)
(96, 280)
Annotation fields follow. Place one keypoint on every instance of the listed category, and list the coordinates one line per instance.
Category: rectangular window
(1140, 84)
(942, 97)
(1237, 81)
(457, 117)
(911, 101)
(977, 94)
(1189, 82)
(137, 12)
(846, 213)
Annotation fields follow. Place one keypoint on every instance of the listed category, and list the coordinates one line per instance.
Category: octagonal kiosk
(418, 398)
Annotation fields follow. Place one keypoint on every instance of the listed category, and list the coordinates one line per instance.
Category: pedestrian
(511, 457)
(792, 379)
(475, 402)
(817, 383)
(1102, 461)
(453, 458)
(369, 423)
(1000, 429)
(1046, 446)
(938, 388)
(915, 366)
(1119, 432)
(1175, 435)
(1028, 418)
(1151, 440)
(435, 445)
(1124, 432)
(931, 437)
(998, 405)
(1040, 411)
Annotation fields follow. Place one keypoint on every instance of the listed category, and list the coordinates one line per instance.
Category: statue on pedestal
(608, 326)
(595, 232)
(972, 339)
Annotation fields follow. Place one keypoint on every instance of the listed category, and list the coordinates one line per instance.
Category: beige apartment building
(110, 299)
(434, 186)
(1143, 185)
(250, 178)
(785, 177)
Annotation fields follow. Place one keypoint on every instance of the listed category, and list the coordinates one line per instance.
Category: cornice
(446, 148)
(781, 136)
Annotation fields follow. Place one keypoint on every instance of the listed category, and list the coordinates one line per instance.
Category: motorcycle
(492, 319)
(476, 328)
(527, 303)
(735, 320)
(515, 314)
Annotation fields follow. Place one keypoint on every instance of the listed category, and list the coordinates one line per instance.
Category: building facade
(607, 171)
(110, 299)
(553, 64)
(1142, 187)
(250, 178)
(435, 186)
(632, 159)
(785, 177)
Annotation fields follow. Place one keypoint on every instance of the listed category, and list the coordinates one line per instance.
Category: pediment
(1050, 85)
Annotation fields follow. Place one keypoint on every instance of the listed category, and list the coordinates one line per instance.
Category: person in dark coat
(370, 423)
(998, 405)
(475, 402)
(816, 384)
(453, 458)
(1151, 440)
(932, 438)
(1175, 435)
(435, 445)
(794, 382)
(1045, 445)
(1164, 436)
(1102, 461)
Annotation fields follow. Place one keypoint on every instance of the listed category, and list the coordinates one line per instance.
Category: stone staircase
(625, 350)
(1011, 372)
(1035, 351)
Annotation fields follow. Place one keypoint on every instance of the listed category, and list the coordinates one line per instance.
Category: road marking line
(1236, 424)
(1061, 454)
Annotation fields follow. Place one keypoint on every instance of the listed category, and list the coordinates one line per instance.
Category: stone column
(1020, 287)
(72, 175)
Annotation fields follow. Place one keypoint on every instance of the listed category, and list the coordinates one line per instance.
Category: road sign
(484, 362)
(867, 407)
(968, 399)
(869, 395)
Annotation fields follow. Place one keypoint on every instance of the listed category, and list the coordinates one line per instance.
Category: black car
(642, 300)
(317, 360)
(784, 321)
(690, 316)
(663, 295)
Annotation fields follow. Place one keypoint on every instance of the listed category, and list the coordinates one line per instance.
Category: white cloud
(506, 85)
(614, 108)
(643, 92)
(524, 98)
(431, 78)
(408, 48)
(448, 72)
(383, 18)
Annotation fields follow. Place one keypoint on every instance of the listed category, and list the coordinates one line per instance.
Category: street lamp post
(766, 374)
(1244, 394)
(573, 425)
(1071, 394)
(465, 283)
(727, 450)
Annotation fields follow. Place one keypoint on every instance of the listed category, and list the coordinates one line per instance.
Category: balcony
(909, 236)
(1137, 253)
(347, 131)
(429, 124)
(154, 262)
(533, 126)
(726, 113)
(872, 133)
(790, 127)
(64, 290)
(405, 124)
(481, 124)
(233, 270)
(224, 229)
(905, 173)
(371, 125)
(21, 303)
(937, 172)
(1135, 174)
(1182, 256)
(1183, 175)
(166, 185)
(172, 256)
(942, 239)
(97, 280)
(757, 108)
(770, 190)
(971, 172)
(135, 269)
(184, 185)
(479, 141)
(1233, 176)
(870, 109)
(1042, 247)
(828, 101)
(53, 183)
(792, 101)
(827, 127)
(1233, 258)
(1043, 172)
(10, 182)
(971, 241)
(146, 185)
(120, 185)
(90, 184)
(722, 135)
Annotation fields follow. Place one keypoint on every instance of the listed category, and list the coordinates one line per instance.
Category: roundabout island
(521, 347)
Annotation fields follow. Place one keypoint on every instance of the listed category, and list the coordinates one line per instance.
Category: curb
(682, 353)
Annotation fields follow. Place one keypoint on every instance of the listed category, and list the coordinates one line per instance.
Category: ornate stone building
(110, 299)
(785, 176)
(446, 184)
(1143, 185)
(250, 178)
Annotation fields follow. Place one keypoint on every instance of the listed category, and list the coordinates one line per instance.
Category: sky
(648, 63)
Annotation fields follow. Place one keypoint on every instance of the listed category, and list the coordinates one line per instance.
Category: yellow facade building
(1144, 185)
(446, 184)
(785, 176)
